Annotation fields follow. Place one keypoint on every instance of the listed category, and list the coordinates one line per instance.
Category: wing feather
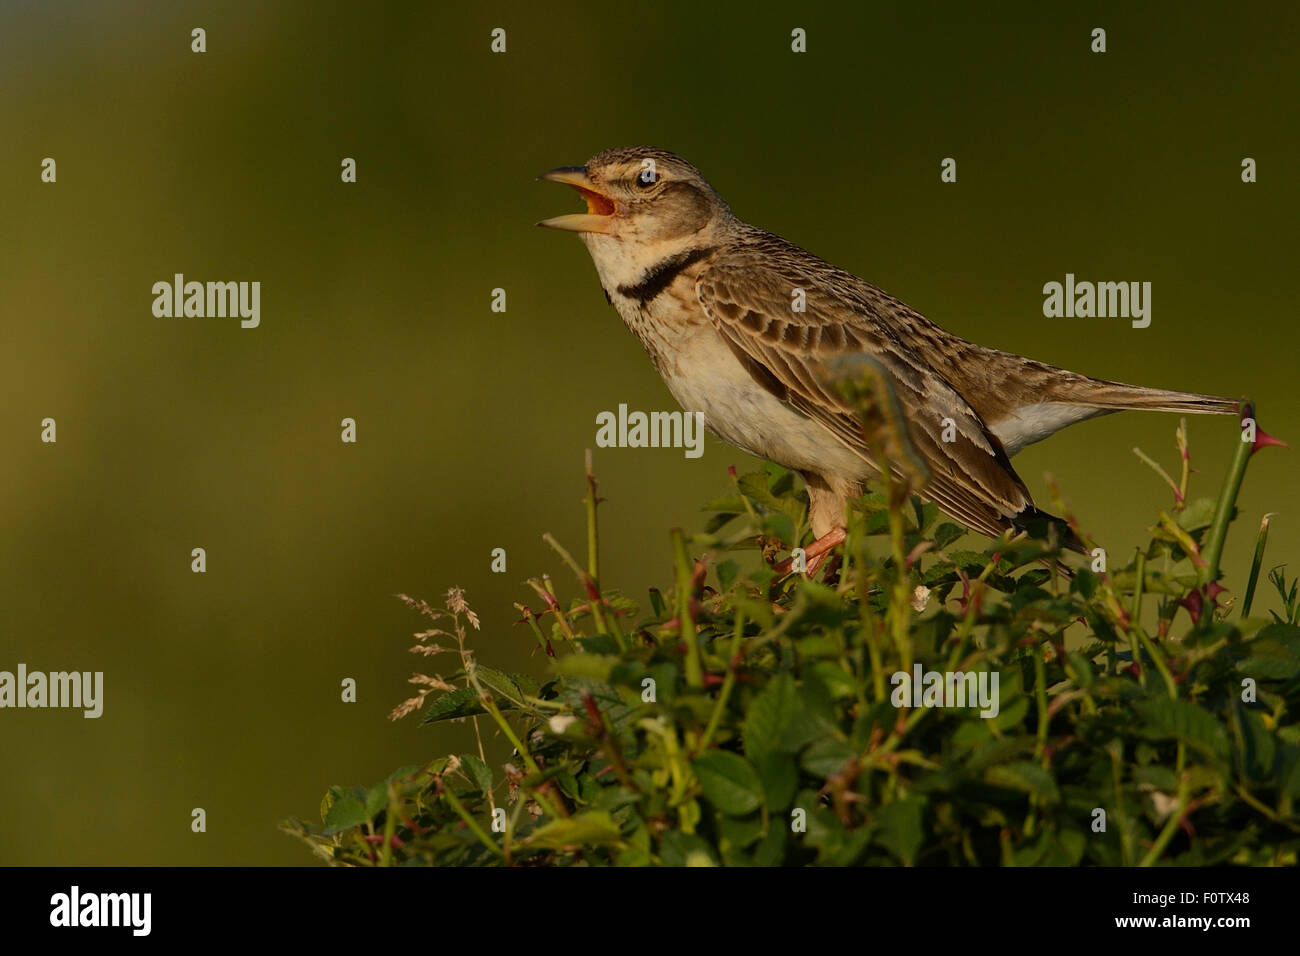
(749, 297)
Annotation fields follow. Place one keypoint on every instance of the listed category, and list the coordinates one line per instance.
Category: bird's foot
(813, 555)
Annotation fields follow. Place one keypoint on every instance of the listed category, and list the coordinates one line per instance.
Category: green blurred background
(223, 689)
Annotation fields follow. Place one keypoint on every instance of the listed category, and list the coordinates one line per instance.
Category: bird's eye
(645, 179)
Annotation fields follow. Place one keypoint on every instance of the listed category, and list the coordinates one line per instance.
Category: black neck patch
(660, 276)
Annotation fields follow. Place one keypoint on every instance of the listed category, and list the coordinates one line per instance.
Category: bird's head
(639, 195)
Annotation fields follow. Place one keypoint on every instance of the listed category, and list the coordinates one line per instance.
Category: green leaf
(592, 828)
(503, 685)
(754, 485)
(657, 603)
(593, 667)
(1064, 848)
(804, 728)
(728, 505)
(1258, 746)
(827, 756)
(738, 832)
(1024, 776)
(598, 644)
(1274, 653)
(946, 534)
(685, 849)
(837, 681)
(898, 828)
(665, 676)
(462, 702)
(1269, 668)
(376, 799)
(968, 559)
(478, 771)
(926, 513)
(1162, 778)
(568, 784)
(1085, 583)
(729, 782)
(770, 712)
(780, 779)
(781, 527)
(1289, 770)
(347, 811)
(1185, 721)
(1011, 713)
(1082, 668)
(1197, 515)
(771, 849)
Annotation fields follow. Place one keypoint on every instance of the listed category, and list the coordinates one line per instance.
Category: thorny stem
(594, 600)
(967, 625)
(490, 706)
(1136, 613)
(1171, 825)
(1218, 533)
(1158, 659)
(1125, 836)
(470, 822)
(531, 617)
(728, 682)
(856, 546)
(1155, 466)
(1040, 693)
(1184, 453)
(896, 736)
(686, 622)
(900, 602)
(601, 729)
(1266, 809)
(547, 594)
(390, 825)
(1185, 540)
(1135, 621)
(593, 533)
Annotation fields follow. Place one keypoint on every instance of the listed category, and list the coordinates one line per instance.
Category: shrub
(751, 717)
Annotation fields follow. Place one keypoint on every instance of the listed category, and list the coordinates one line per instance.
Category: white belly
(708, 378)
(1031, 423)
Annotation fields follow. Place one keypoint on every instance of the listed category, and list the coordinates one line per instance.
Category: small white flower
(920, 598)
(560, 723)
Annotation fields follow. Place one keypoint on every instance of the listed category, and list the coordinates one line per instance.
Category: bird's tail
(1041, 524)
(1114, 396)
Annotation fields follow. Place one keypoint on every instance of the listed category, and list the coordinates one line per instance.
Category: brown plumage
(713, 300)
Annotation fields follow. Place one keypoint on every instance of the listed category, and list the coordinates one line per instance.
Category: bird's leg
(831, 576)
(820, 550)
(815, 553)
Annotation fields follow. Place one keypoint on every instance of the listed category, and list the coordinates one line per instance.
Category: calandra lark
(717, 303)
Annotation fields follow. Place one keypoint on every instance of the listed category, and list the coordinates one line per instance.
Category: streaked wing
(749, 296)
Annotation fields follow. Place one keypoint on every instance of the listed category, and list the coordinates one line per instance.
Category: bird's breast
(699, 367)
(704, 375)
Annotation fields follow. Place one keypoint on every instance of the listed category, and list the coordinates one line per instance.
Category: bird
(748, 328)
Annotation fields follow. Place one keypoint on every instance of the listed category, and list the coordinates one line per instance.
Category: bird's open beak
(599, 216)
